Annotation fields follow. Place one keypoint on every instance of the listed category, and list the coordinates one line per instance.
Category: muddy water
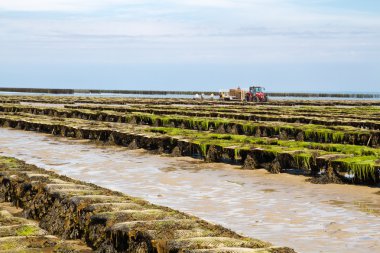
(282, 209)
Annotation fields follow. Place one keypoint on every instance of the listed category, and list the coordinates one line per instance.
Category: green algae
(203, 149)
(27, 230)
(230, 140)
(236, 154)
(9, 163)
(303, 160)
(362, 167)
(322, 133)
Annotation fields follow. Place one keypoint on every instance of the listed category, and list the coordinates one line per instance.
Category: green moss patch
(27, 230)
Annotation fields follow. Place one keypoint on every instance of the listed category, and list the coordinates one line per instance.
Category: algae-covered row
(339, 144)
(331, 132)
(271, 153)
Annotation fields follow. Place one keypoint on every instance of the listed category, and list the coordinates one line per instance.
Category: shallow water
(282, 209)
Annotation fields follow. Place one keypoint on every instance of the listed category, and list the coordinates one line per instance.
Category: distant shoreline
(156, 92)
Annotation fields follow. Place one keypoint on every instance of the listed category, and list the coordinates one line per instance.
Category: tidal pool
(282, 209)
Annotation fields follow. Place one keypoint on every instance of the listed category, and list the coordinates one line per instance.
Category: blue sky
(284, 45)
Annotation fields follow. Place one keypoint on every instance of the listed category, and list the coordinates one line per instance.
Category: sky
(283, 45)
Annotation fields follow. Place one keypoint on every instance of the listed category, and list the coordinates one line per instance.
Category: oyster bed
(329, 143)
(105, 220)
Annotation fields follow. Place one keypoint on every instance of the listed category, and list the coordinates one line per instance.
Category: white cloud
(187, 30)
(60, 5)
(90, 5)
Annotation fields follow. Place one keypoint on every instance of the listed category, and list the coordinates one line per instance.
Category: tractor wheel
(265, 99)
(255, 99)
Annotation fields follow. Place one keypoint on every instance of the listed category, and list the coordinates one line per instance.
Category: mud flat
(280, 208)
(109, 221)
(325, 141)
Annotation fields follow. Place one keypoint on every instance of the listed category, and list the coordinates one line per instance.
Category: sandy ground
(282, 209)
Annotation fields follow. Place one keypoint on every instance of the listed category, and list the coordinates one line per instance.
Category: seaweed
(362, 167)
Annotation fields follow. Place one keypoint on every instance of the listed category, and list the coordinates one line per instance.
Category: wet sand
(282, 209)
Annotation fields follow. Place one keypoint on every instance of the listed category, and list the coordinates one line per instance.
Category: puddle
(282, 209)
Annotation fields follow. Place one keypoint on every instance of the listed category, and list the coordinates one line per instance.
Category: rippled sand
(282, 209)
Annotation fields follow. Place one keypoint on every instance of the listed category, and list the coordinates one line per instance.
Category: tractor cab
(256, 89)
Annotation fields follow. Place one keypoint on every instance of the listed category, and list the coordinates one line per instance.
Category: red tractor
(256, 94)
